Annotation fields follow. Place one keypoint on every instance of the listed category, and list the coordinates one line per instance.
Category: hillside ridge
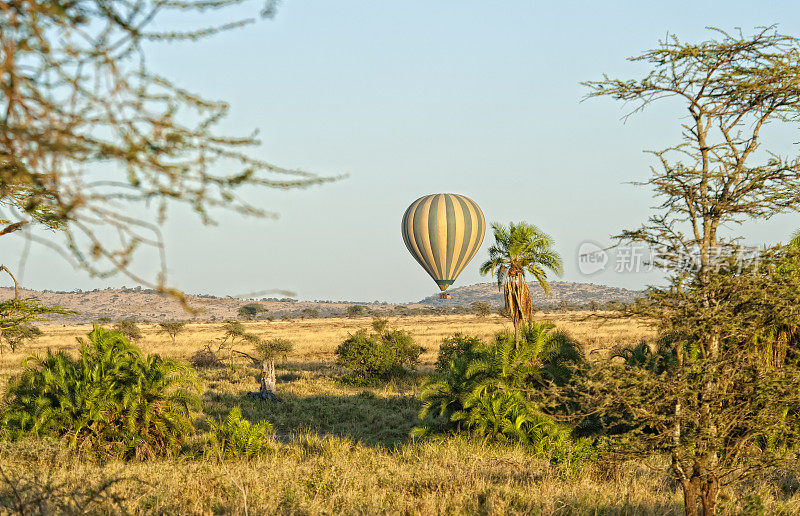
(150, 305)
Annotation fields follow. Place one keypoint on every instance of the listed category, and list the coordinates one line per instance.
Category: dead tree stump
(266, 381)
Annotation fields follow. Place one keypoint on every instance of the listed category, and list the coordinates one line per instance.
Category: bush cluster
(110, 401)
(489, 389)
(378, 355)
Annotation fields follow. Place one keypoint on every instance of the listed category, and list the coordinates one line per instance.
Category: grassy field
(345, 449)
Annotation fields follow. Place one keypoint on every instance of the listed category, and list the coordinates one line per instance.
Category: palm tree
(518, 249)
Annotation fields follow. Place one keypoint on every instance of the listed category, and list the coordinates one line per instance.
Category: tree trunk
(689, 498)
(708, 496)
(266, 381)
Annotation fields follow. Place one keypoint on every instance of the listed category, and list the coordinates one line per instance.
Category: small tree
(16, 313)
(519, 249)
(481, 308)
(233, 330)
(251, 310)
(719, 418)
(309, 313)
(172, 328)
(355, 310)
(18, 335)
(129, 329)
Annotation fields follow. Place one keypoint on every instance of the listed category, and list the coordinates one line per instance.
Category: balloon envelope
(443, 232)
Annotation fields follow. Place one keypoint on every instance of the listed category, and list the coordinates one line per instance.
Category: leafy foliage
(457, 346)
(238, 438)
(273, 348)
(491, 390)
(376, 356)
(719, 417)
(129, 329)
(251, 310)
(111, 400)
(481, 308)
(721, 172)
(354, 310)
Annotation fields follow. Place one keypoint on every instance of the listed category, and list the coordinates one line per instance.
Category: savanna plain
(342, 449)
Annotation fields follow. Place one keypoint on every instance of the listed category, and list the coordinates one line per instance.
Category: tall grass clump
(490, 390)
(378, 355)
(238, 438)
(110, 401)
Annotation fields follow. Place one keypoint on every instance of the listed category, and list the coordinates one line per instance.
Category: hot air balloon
(443, 232)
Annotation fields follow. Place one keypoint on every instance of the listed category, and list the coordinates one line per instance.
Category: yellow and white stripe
(443, 232)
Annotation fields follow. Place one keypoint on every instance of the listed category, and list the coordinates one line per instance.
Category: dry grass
(340, 449)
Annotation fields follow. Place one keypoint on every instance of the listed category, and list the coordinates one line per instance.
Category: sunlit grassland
(346, 449)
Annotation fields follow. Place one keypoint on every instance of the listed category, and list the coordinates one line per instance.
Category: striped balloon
(443, 232)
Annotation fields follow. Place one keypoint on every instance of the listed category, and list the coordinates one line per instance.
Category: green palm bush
(238, 438)
(110, 401)
(490, 390)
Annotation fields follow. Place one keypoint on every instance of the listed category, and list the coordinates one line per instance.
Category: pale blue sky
(414, 97)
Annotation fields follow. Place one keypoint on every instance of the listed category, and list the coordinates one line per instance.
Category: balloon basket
(444, 295)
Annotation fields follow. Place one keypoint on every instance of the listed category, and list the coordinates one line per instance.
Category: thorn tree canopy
(91, 137)
(718, 174)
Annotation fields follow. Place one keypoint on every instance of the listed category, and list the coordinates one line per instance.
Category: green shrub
(377, 356)
(354, 310)
(251, 310)
(205, 358)
(129, 329)
(457, 345)
(238, 438)
(110, 401)
(379, 324)
(481, 308)
(273, 348)
(489, 390)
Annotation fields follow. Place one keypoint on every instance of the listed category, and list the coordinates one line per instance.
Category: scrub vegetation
(334, 447)
(683, 401)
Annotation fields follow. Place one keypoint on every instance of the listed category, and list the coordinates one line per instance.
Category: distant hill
(151, 306)
(572, 293)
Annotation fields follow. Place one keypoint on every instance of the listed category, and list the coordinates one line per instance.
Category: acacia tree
(749, 421)
(518, 249)
(89, 132)
(172, 328)
(251, 310)
(16, 314)
(717, 176)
